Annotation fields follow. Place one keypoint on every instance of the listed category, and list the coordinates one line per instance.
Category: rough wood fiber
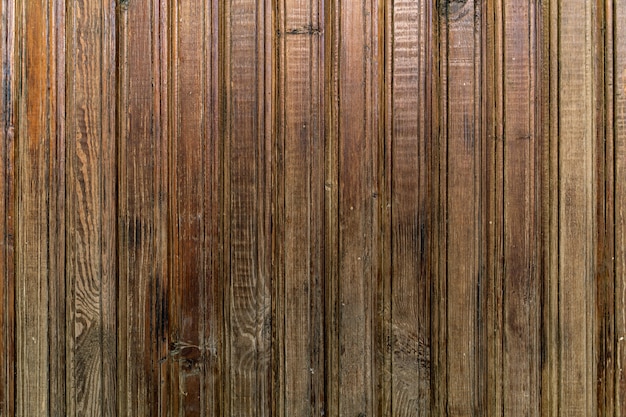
(299, 308)
(409, 127)
(91, 274)
(247, 160)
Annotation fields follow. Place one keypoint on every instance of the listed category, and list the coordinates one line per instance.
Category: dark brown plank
(410, 209)
(357, 145)
(461, 198)
(187, 261)
(605, 211)
(247, 241)
(142, 205)
(300, 311)
(7, 203)
(91, 300)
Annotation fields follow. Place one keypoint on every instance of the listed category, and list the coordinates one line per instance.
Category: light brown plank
(247, 160)
(91, 333)
(410, 278)
(301, 183)
(520, 285)
(462, 201)
(576, 209)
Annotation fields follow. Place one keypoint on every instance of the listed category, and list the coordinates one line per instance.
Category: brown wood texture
(312, 208)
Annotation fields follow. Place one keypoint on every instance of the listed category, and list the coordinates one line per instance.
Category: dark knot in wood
(451, 8)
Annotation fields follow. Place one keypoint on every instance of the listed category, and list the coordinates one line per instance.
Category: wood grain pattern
(91, 275)
(312, 207)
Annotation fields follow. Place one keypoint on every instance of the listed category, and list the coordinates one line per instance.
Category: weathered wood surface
(312, 207)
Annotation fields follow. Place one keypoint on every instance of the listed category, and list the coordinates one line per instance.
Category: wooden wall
(313, 208)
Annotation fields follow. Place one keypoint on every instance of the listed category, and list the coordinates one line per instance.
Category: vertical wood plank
(301, 181)
(214, 287)
(91, 333)
(188, 170)
(356, 130)
(519, 290)
(32, 212)
(410, 275)
(247, 134)
(494, 117)
(605, 211)
(550, 209)
(8, 119)
(331, 206)
(56, 225)
(619, 126)
(142, 203)
(576, 208)
(462, 200)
